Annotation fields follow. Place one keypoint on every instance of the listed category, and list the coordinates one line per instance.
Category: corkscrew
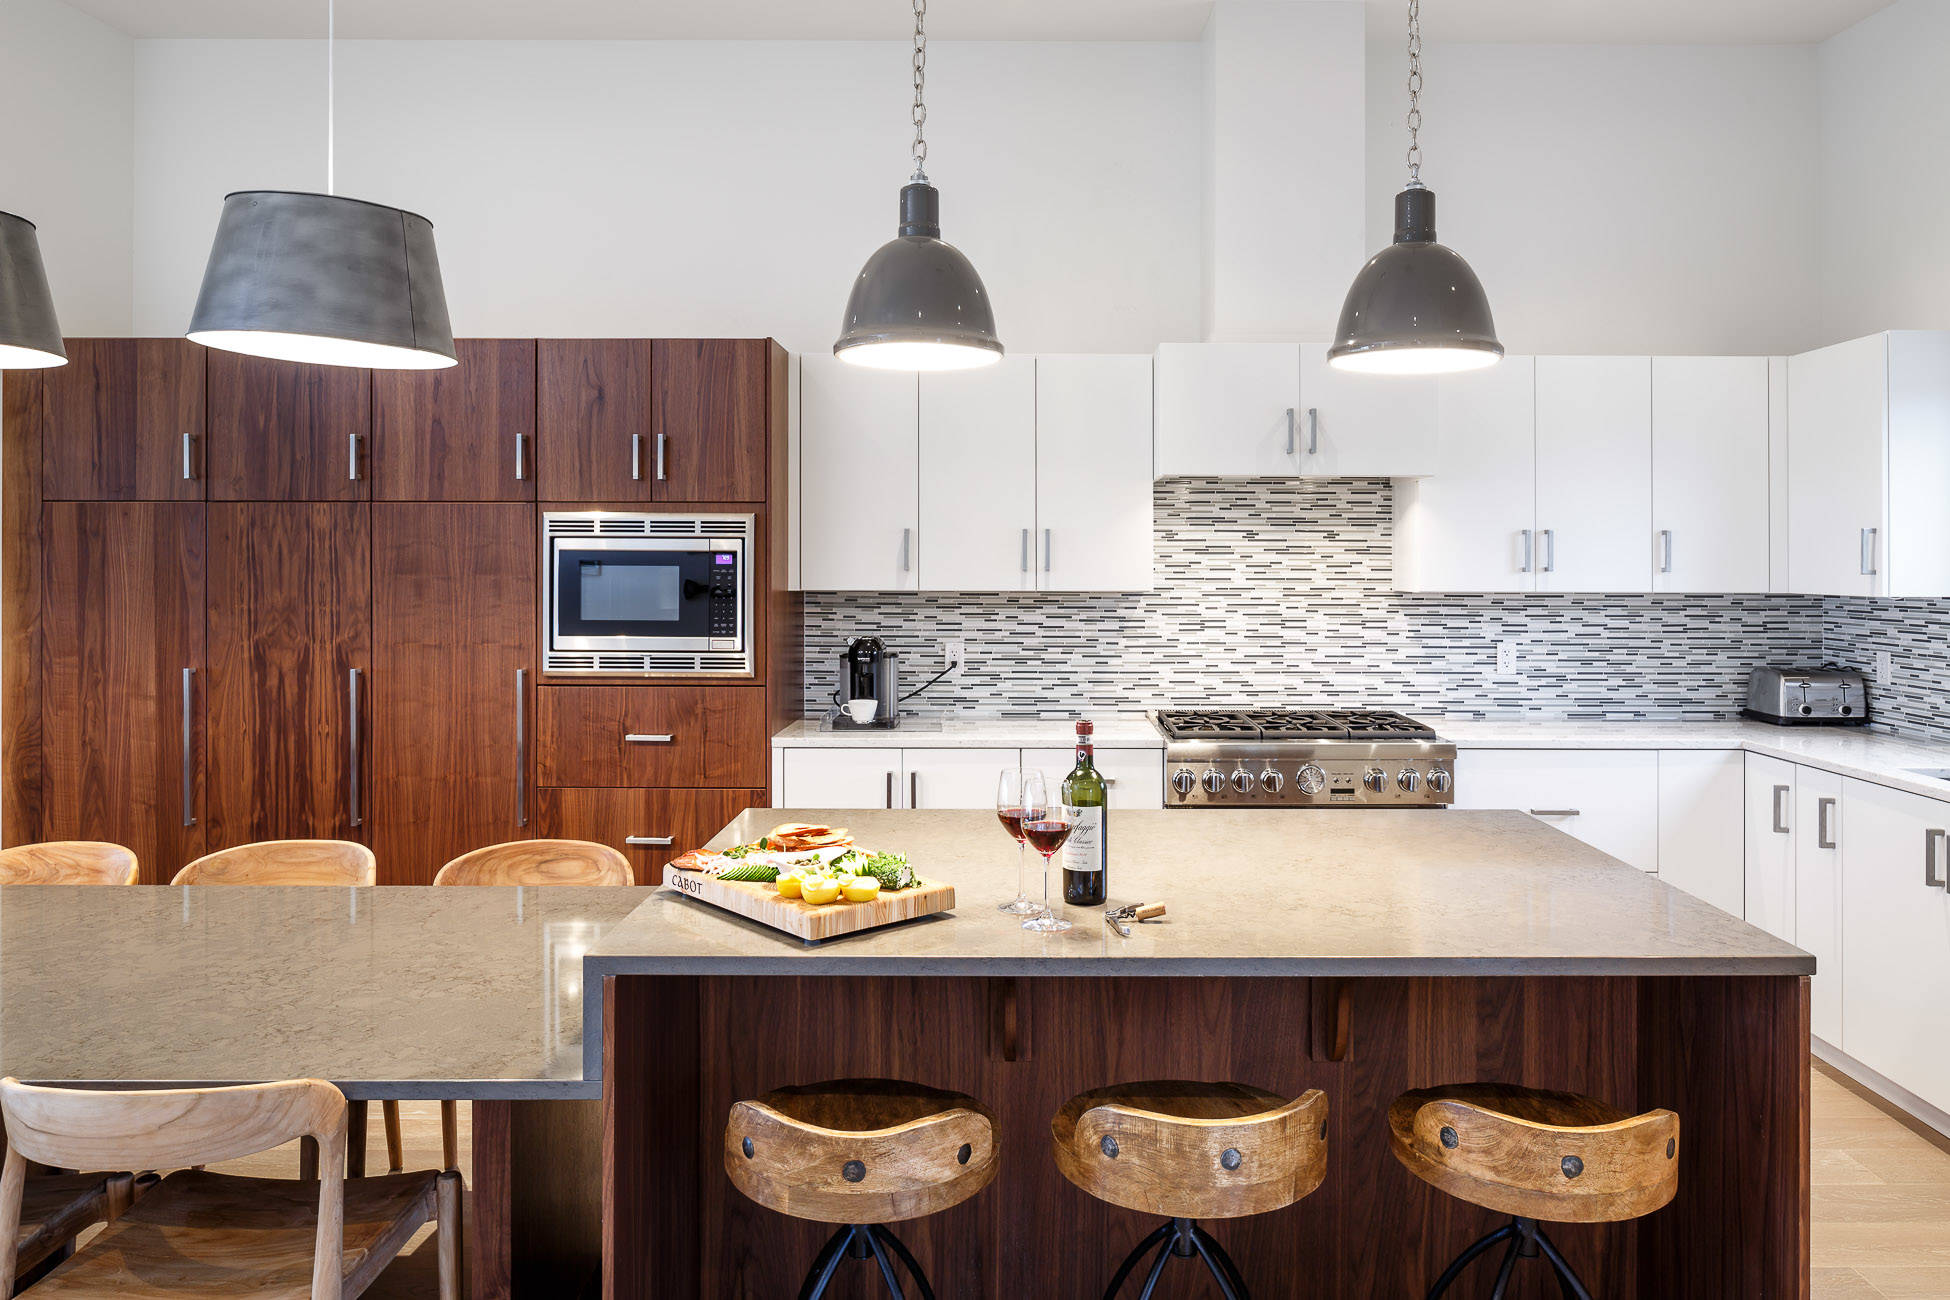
(1120, 918)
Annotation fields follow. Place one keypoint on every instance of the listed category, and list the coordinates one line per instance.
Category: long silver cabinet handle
(1555, 812)
(352, 776)
(663, 441)
(1025, 550)
(352, 456)
(913, 789)
(1289, 430)
(1824, 837)
(521, 457)
(890, 789)
(1665, 550)
(521, 746)
(1550, 550)
(1931, 839)
(636, 455)
(189, 726)
(907, 550)
(1780, 811)
(189, 455)
(644, 738)
(649, 841)
(1313, 431)
(1869, 552)
(1049, 550)
(1528, 553)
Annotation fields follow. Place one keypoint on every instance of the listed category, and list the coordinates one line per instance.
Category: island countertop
(1287, 892)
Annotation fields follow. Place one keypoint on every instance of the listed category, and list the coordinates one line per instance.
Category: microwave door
(632, 600)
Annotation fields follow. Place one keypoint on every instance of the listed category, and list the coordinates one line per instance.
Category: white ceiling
(1739, 22)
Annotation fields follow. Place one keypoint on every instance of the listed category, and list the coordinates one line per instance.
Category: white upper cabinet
(1228, 409)
(1710, 478)
(1093, 474)
(1363, 426)
(1869, 467)
(859, 516)
(1594, 473)
(1470, 526)
(978, 477)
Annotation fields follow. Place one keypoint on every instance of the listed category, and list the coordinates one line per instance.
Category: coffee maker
(869, 671)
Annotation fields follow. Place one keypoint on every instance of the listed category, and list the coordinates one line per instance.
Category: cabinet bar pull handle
(189, 456)
(1824, 838)
(913, 789)
(636, 455)
(189, 723)
(644, 738)
(521, 746)
(1550, 550)
(1665, 549)
(662, 441)
(1555, 812)
(907, 550)
(1780, 812)
(1930, 841)
(352, 777)
(1527, 556)
(1313, 431)
(352, 457)
(649, 841)
(890, 789)
(1025, 550)
(1868, 552)
(1049, 550)
(1289, 431)
(521, 457)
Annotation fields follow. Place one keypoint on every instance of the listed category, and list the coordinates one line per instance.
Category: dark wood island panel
(1728, 1053)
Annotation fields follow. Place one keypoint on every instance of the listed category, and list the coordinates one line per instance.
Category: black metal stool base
(1527, 1241)
(1185, 1239)
(864, 1241)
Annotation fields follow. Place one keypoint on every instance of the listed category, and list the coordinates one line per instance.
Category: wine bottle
(1084, 855)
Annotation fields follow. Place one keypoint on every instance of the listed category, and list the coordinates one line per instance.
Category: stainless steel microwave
(647, 593)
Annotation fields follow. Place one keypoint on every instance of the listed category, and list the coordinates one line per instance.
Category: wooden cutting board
(761, 902)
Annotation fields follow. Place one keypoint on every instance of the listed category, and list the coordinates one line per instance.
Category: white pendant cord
(331, 81)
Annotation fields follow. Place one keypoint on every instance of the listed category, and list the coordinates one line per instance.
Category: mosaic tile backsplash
(1915, 700)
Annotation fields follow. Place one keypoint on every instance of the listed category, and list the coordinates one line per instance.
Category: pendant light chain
(331, 87)
(1414, 94)
(920, 82)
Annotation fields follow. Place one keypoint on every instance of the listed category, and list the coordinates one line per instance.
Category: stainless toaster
(1826, 696)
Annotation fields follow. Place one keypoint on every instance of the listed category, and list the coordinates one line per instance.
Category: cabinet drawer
(649, 827)
(651, 736)
(1136, 777)
(1607, 798)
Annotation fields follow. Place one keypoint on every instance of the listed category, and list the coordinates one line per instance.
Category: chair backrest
(284, 862)
(67, 862)
(539, 862)
(78, 1128)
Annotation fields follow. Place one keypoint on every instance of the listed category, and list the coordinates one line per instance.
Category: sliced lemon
(788, 884)
(860, 889)
(819, 890)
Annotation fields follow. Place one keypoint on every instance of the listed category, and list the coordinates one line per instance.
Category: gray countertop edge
(380, 1089)
(812, 962)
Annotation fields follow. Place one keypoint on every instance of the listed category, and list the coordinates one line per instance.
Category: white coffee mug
(862, 711)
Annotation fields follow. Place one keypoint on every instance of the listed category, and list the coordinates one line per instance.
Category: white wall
(1885, 159)
(66, 99)
(1618, 199)
(701, 188)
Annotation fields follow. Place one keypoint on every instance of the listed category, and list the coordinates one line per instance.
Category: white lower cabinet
(1702, 831)
(1136, 777)
(1818, 838)
(1896, 934)
(1609, 798)
(839, 778)
(1769, 866)
(953, 778)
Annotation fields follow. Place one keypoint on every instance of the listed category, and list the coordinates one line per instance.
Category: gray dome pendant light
(918, 303)
(324, 280)
(30, 336)
(1416, 308)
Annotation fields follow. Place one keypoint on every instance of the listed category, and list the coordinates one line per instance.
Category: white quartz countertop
(1849, 751)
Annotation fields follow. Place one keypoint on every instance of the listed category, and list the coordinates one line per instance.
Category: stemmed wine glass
(1019, 797)
(1046, 835)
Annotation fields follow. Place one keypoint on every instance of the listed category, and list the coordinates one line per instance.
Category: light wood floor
(1881, 1199)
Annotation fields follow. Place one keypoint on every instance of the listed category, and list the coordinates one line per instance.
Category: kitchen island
(1362, 953)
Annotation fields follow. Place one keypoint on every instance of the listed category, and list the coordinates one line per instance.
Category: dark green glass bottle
(1085, 852)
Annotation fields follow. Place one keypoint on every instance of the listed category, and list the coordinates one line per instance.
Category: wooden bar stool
(861, 1153)
(1191, 1151)
(203, 1234)
(1551, 1156)
(67, 862)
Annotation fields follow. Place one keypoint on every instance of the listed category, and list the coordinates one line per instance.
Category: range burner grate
(1290, 724)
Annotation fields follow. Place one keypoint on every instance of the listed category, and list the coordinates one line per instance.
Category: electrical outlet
(1506, 658)
(953, 655)
(1885, 667)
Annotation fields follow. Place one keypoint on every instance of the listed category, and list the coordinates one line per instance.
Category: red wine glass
(1046, 835)
(1019, 797)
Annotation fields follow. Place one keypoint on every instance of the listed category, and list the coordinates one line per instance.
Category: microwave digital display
(722, 559)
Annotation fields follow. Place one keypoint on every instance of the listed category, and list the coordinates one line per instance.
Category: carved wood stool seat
(67, 862)
(1535, 1155)
(861, 1153)
(1191, 1151)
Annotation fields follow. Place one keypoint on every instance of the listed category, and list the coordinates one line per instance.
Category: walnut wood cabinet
(123, 421)
(279, 431)
(649, 827)
(466, 433)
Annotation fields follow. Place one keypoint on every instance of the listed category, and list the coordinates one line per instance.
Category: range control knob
(1376, 780)
(1242, 781)
(1410, 780)
(1270, 781)
(1183, 781)
(1310, 779)
(1440, 780)
(1213, 781)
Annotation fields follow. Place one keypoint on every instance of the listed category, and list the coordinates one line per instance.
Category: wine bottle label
(1084, 850)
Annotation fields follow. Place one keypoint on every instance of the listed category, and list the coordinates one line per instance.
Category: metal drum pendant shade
(326, 280)
(30, 336)
(918, 304)
(1416, 307)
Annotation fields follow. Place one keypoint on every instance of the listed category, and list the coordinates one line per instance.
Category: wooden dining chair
(526, 862)
(55, 1208)
(202, 1234)
(67, 862)
(284, 862)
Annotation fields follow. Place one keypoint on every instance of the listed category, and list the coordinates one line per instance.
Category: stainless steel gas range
(1303, 758)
